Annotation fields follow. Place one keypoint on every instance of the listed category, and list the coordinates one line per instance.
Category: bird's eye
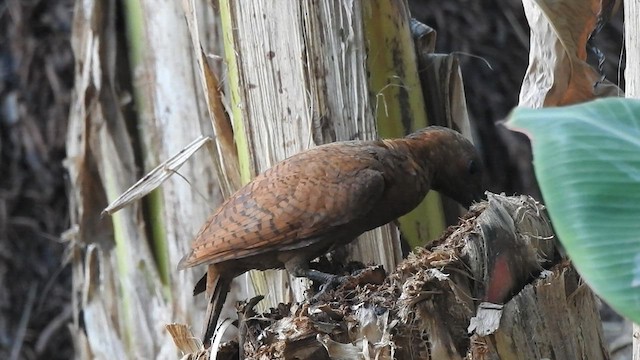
(473, 167)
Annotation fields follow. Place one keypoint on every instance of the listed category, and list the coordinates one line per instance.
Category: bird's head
(454, 164)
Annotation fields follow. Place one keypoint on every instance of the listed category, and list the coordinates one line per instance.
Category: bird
(324, 197)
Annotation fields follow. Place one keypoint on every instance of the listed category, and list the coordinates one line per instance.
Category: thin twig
(51, 328)
(24, 322)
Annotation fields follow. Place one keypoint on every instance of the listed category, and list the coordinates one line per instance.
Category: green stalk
(396, 90)
(233, 76)
(153, 202)
(122, 251)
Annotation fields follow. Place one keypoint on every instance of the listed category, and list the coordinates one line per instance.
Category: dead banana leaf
(156, 176)
(443, 94)
(184, 338)
(441, 81)
(225, 153)
(558, 73)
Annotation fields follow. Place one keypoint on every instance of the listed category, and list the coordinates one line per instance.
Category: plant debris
(423, 308)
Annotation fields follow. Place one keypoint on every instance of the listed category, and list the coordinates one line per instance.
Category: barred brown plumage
(325, 197)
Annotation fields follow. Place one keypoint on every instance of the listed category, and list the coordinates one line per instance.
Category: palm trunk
(297, 76)
(125, 284)
(305, 75)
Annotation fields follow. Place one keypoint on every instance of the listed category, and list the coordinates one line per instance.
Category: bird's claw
(331, 284)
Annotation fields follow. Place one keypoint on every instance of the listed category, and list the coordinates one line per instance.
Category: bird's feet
(331, 283)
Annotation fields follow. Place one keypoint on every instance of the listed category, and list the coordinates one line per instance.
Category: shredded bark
(424, 307)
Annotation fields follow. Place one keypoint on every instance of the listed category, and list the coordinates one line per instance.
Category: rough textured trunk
(125, 284)
(302, 76)
(555, 317)
(434, 304)
(294, 82)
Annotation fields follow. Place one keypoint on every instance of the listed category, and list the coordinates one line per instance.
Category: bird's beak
(474, 198)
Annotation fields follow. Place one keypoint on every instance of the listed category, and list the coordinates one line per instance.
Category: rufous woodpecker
(324, 197)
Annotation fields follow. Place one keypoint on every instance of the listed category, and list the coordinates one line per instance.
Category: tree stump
(493, 287)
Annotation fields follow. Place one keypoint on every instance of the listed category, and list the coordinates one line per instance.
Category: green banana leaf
(587, 162)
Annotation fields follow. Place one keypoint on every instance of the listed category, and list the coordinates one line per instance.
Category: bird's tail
(217, 289)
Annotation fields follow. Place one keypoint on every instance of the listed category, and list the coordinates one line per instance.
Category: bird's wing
(298, 199)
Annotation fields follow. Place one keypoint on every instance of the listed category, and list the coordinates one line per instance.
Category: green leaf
(587, 162)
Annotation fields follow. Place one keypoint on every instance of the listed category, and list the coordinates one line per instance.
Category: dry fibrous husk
(423, 309)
